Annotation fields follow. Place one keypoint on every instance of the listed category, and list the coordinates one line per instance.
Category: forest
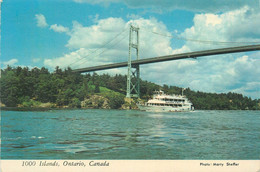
(24, 87)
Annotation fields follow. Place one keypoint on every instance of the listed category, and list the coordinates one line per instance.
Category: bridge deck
(172, 57)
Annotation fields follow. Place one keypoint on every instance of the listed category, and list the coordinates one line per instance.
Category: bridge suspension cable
(201, 41)
(104, 47)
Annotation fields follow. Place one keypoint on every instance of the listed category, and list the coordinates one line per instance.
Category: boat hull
(164, 108)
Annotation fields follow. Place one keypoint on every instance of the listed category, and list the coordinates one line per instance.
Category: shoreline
(68, 108)
(36, 108)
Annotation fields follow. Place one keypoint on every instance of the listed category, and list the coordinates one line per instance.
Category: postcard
(127, 85)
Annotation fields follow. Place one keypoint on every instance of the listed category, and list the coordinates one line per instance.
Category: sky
(83, 33)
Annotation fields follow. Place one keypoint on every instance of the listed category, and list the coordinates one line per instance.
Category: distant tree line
(214, 101)
(65, 88)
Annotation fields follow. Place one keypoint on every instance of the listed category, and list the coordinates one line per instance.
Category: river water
(130, 134)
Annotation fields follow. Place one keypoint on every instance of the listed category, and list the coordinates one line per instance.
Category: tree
(9, 89)
(115, 100)
(97, 89)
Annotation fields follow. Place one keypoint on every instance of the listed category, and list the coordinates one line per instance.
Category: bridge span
(172, 57)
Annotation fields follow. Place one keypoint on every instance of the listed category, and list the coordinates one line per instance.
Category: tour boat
(162, 102)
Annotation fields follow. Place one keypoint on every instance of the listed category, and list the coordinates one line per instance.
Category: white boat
(166, 103)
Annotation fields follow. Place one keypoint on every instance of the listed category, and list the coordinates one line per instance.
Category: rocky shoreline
(92, 102)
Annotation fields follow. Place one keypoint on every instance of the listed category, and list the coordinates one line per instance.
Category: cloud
(133, 16)
(200, 6)
(41, 21)
(36, 60)
(67, 59)
(89, 42)
(222, 73)
(245, 71)
(94, 18)
(104, 2)
(251, 89)
(95, 35)
(59, 28)
(10, 62)
(13, 62)
(237, 27)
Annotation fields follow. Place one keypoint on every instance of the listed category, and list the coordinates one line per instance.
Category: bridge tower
(133, 73)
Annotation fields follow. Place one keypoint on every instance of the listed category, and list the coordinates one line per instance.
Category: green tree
(9, 88)
(115, 100)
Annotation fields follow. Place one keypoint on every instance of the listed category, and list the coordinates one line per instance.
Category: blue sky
(64, 33)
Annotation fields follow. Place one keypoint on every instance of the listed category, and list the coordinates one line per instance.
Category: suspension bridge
(133, 70)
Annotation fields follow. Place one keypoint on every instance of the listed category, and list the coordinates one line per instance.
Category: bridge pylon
(133, 73)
